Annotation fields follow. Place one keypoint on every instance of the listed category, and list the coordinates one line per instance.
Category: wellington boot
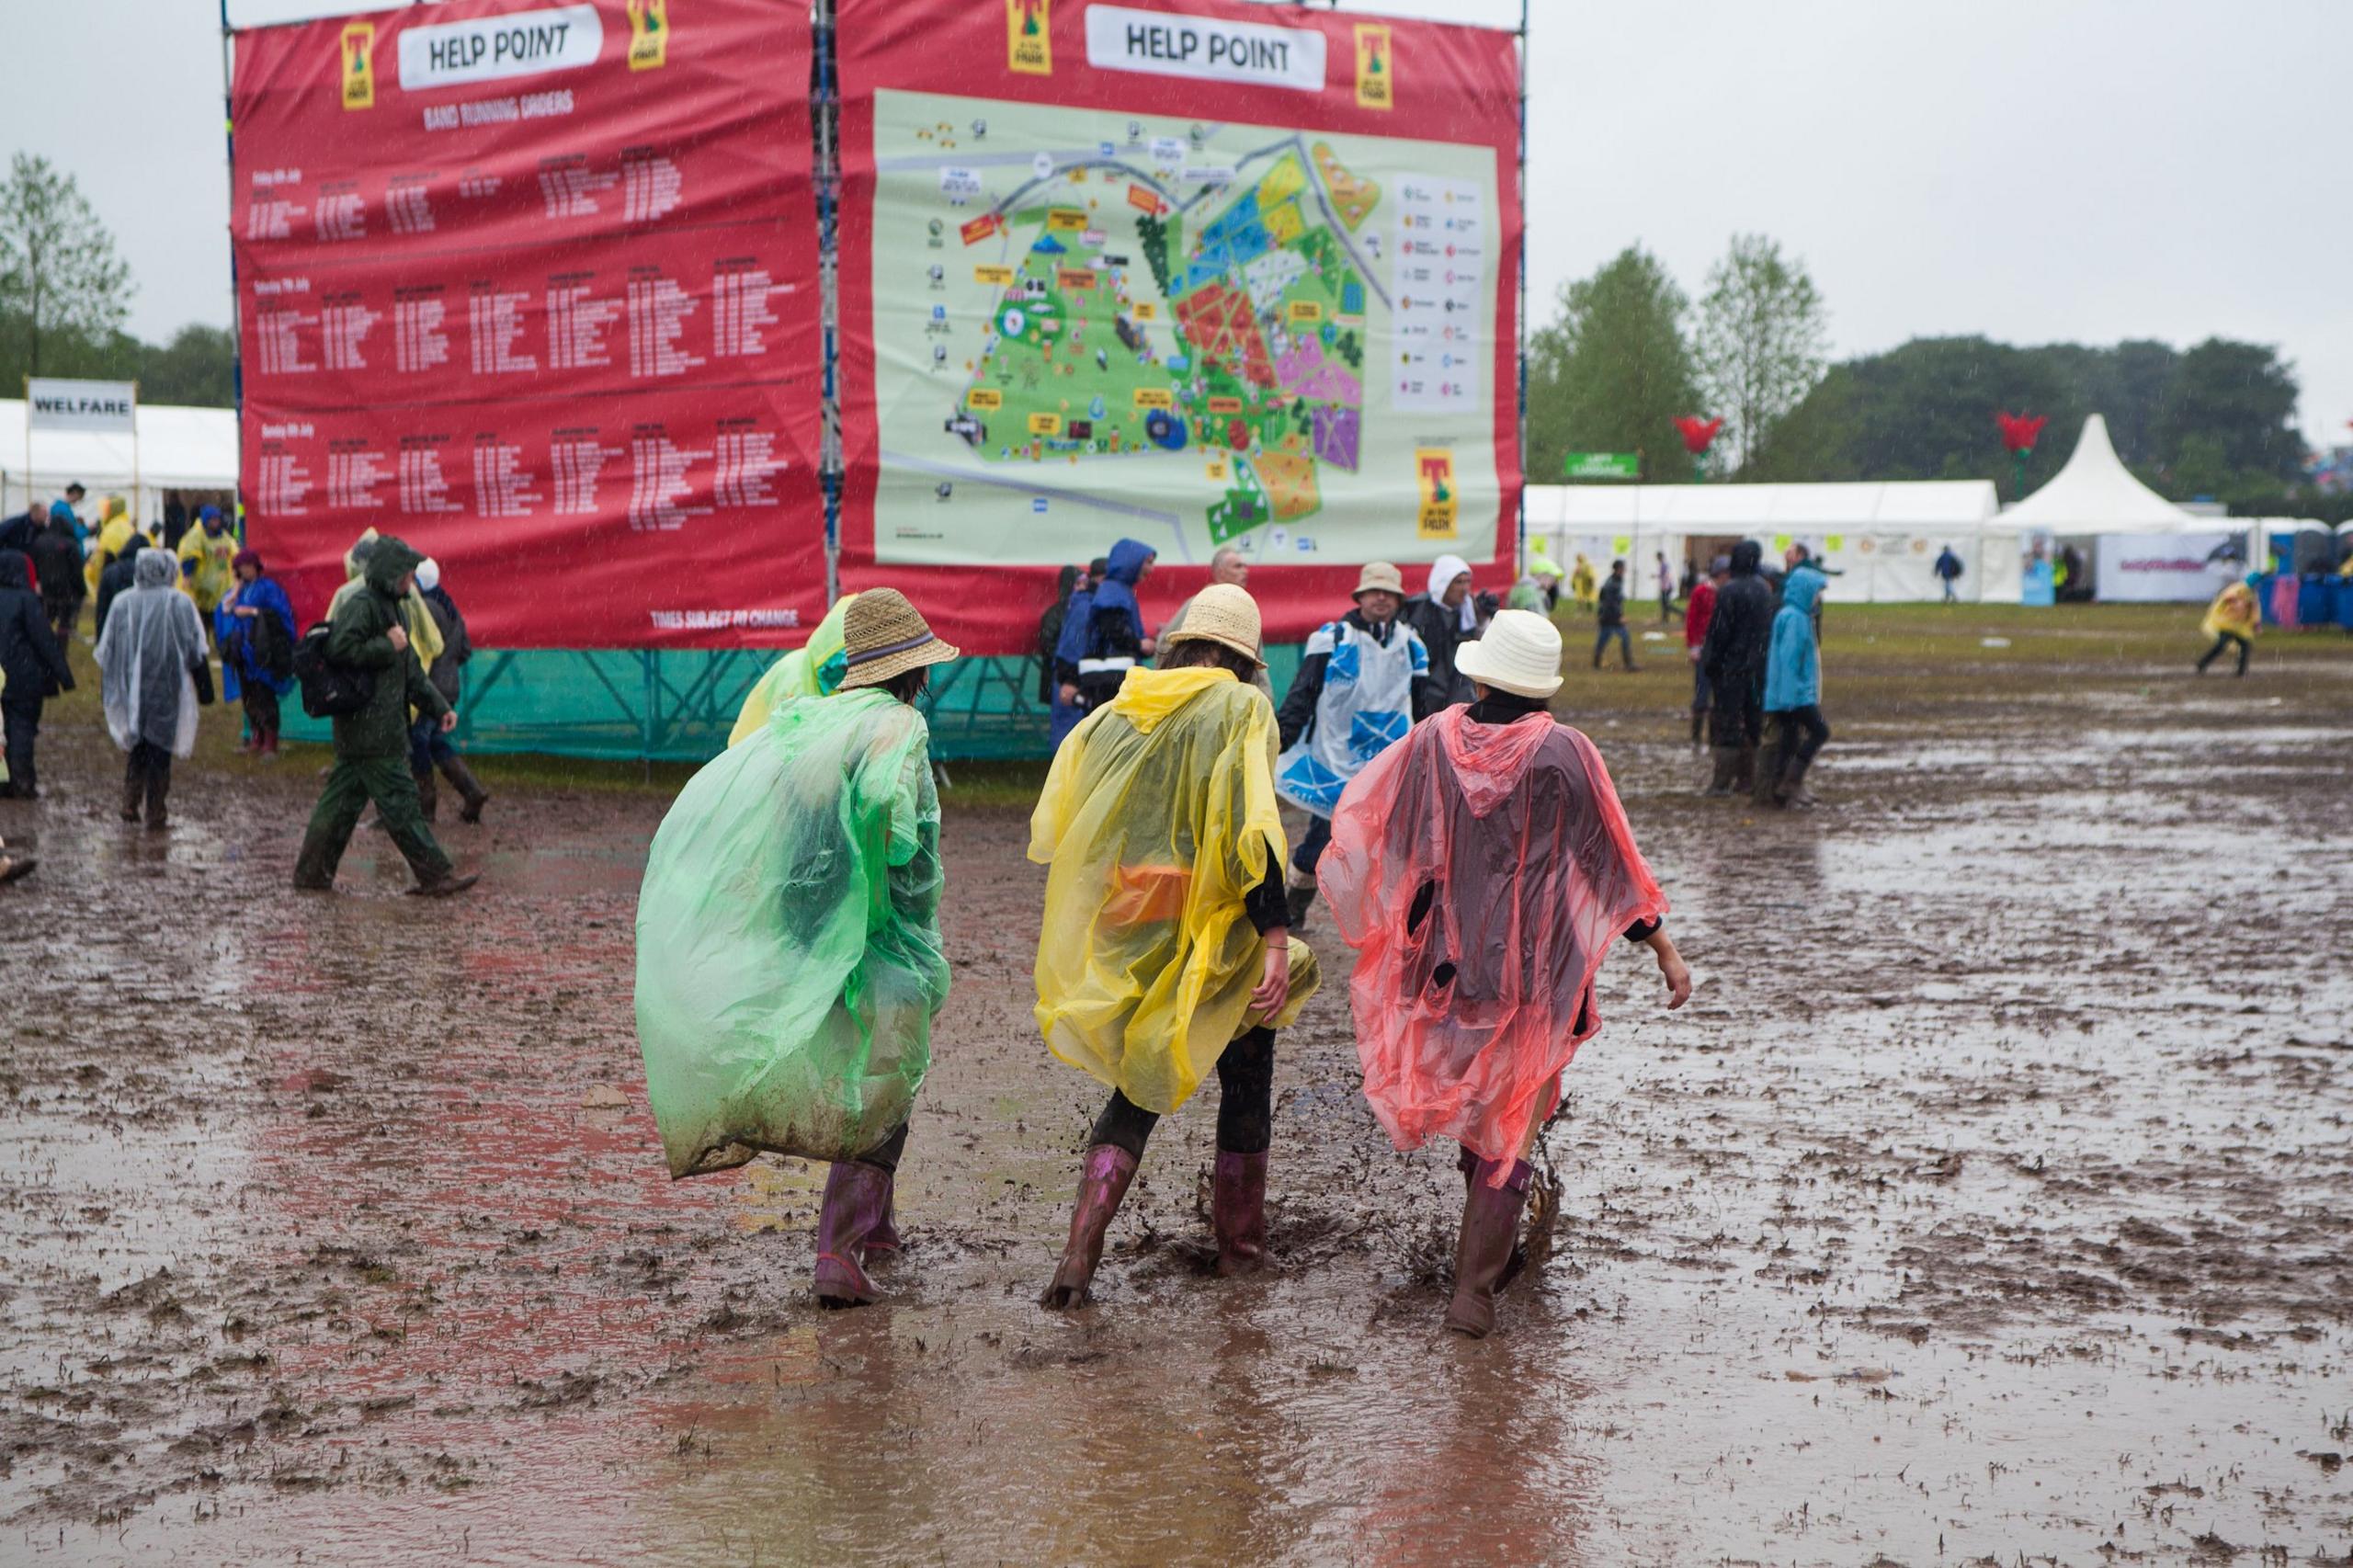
(1727, 763)
(1238, 1211)
(1483, 1250)
(1743, 773)
(883, 1241)
(446, 885)
(313, 869)
(856, 1195)
(269, 743)
(462, 778)
(1699, 728)
(1794, 794)
(428, 794)
(1103, 1183)
(1767, 790)
(159, 790)
(1298, 901)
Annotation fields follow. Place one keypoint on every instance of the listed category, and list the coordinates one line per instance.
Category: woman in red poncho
(1481, 868)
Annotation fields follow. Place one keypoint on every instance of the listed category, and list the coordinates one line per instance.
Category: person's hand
(1678, 975)
(246, 610)
(1070, 695)
(1151, 646)
(400, 640)
(1274, 980)
(450, 722)
(1695, 652)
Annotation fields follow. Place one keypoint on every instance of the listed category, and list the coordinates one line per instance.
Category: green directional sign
(1604, 465)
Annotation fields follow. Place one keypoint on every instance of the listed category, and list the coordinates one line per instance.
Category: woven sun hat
(1519, 654)
(1226, 615)
(1379, 577)
(883, 636)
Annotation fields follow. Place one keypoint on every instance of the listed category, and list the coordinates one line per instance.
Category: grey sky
(2072, 170)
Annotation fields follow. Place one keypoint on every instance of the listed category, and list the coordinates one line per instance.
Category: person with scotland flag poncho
(1481, 868)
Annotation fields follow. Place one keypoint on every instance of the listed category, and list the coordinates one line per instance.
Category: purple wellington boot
(1103, 1182)
(1238, 1211)
(857, 1196)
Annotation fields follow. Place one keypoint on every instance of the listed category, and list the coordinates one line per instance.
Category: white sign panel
(2161, 568)
(108, 406)
(1161, 44)
(521, 43)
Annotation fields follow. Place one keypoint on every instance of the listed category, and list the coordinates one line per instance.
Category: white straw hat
(1225, 614)
(1519, 654)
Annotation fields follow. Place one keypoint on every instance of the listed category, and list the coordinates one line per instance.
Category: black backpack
(272, 650)
(329, 690)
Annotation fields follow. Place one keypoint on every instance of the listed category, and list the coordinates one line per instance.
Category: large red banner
(534, 285)
(1201, 273)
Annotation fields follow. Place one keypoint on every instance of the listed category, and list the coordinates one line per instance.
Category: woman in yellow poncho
(207, 554)
(117, 533)
(2233, 617)
(813, 669)
(1583, 585)
(1166, 949)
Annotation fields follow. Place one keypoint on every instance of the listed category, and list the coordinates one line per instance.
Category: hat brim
(1468, 662)
(875, 672)
(1364, 588)
(1221, 640)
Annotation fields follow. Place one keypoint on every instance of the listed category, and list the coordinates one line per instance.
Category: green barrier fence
(678, 706)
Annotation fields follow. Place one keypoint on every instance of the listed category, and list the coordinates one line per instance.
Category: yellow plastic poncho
(424, 632)
(1158, 818)
(1583, 585)
(2235, 611)
(813, 669)
(115, 534)
(213, 576)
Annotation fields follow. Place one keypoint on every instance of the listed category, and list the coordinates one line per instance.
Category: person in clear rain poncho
(1165, 950)
(1481, 868)
(789, 955)
(150, 662)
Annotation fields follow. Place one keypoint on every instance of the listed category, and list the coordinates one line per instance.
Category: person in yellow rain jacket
(416, 616)
(813, 669)
(1583, 585)
(2233, 617)
(1166, 947)
(117, 537)
(208, 554)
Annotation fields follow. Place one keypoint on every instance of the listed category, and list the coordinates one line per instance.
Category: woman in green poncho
(789, 956)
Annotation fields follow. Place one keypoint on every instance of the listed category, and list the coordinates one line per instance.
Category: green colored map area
(1238, 337)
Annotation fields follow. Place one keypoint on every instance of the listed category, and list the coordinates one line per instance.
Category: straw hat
(1379, 577)
(1224, 614)
(1520, 653)
(884, 637)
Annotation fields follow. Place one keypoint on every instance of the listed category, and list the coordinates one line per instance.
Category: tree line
(1627, 350)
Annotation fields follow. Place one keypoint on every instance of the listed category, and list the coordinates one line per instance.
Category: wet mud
(1987, 1205)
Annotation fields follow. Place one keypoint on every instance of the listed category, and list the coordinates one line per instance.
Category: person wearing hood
(255, 629)
(1539, 590)
(118, 540)
(32, 670)
(57, 559)
(1165, 950)
(2233, 619)
(813, 669)
(1584, 585)
(1739, 633)
(1361, 680)
(1110, 639)
(153, 675)
(1070, 646)
(790, 961)
(19, 532)
(371, 746)
(1446, 618)
(1700, 610)
(430, 747)
(1481, 870)
(1793, 691)
(206, 553)
(416, 616)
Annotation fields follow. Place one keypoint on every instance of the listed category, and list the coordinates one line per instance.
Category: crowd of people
(170, 600)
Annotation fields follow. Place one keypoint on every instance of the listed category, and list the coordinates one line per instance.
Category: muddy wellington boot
(1699, 728)
(882, 1241)
(134, 791)
(856, 1195)
(1103, 1182)
(269, 743)
(1727, 761)
(462, 778)
(1238, 1212)
(448, 884)
(1793, 792)
(1483, 1250)
(159, 789)
(1744, 771)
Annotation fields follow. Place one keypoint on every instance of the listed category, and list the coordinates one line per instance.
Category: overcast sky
(2071, 170)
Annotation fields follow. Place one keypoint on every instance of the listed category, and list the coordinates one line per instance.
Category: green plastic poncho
(1157, 819)
(788, 958)
(813, 669)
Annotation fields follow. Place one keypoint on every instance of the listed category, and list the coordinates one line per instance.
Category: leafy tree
(58, 267)
(1611, 371)
(196, 367)
(2244, 398)
(1763, 341)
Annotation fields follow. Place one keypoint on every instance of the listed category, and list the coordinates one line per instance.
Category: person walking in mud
(1732, 657)
(1481, 870)
(1793, 691)
(371, 745)
(1612, 613)
(1699, 612)
(33, 668)
(2232, 621)
(1165, 950)
(789, 955)
(153, 676)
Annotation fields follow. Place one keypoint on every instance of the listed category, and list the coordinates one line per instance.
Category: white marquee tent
(179, 448)
(2094, 494)
(1884, 535)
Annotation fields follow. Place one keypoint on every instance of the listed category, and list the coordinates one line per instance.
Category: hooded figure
(1733, 658)
(1443, 627)
(416, 616)
(32, 670)
(149, 657)
(1794, 690)
(1113, 630)
(1584, 586)
(57, 557)
(254, 630)
(206, 555)
(2232, 617)
(1070, 647)
(813, 669)
(115, 537)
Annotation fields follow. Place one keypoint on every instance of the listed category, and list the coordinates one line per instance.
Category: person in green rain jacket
(371, 745)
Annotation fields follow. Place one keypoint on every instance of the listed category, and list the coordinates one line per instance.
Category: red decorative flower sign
(2020, 431)
(1699, 433)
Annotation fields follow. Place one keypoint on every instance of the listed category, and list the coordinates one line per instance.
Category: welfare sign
(1205, 273)
(534, 286)
(109, 407)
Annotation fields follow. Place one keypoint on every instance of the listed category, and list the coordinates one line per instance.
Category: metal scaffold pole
(1519, 326)
(825, 109)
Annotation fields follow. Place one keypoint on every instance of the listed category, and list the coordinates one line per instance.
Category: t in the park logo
(1434, 467)
(1376, 68)
(1029, 36)
(649, 34)
(355, 65)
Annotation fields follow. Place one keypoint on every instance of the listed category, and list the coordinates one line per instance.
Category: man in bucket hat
(1481, 869)
(1362, 681)
(789, 955)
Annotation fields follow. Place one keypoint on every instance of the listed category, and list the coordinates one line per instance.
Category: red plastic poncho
(1481, 872)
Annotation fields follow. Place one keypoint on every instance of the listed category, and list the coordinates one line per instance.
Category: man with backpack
(364, 674)
(1948, 572)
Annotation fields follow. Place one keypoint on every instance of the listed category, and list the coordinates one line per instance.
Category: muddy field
(1987, 1205)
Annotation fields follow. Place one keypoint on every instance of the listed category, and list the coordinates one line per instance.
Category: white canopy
(179, 448)
(2095, 493)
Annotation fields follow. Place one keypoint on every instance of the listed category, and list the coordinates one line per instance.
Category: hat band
(866, 656)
